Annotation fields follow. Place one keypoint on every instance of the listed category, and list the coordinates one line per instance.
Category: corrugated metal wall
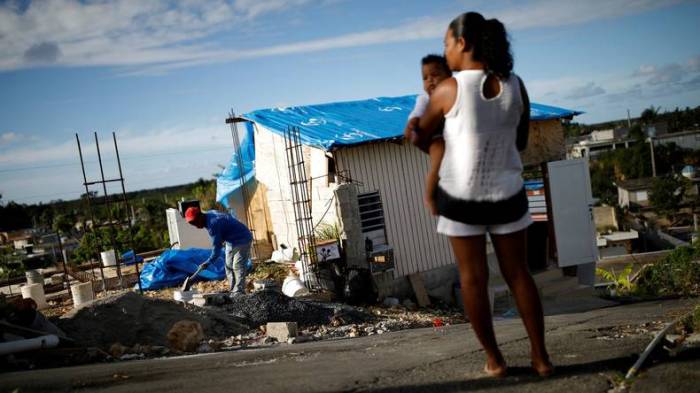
(398, 172)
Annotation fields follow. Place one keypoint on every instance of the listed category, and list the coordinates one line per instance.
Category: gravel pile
(130, 319)
(262, 307)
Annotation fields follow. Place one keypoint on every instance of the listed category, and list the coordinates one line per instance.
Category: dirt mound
(132, 319)
(262, 307)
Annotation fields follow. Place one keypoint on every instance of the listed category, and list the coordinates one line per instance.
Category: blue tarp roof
(341, 124)
(229, 180)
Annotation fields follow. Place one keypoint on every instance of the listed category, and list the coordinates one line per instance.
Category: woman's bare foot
(543, 368)
(497, 372)
(495, 368)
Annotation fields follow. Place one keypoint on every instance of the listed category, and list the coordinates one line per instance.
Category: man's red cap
(191, 213)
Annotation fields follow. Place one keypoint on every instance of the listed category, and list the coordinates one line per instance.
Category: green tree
(636, 133)
(14, 216)
(602, 183)
(63, 223)
(649, 115)
(667, 194)
(205, 192)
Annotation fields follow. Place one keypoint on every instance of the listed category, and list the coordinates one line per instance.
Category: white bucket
(109, 258)
(300, 270)
(293, 287)
(36, 293)
(34, 277)
(82, 293)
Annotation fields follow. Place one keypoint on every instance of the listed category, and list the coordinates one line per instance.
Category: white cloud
(153, 37)
(645, 70)
(8, 137)
(132, 144)
(75, 33)
(31, 171)
(585, 91)
(252, 8)
(551, 87)
(693, 64)
(648, 84)
(667, 74)
(553, 13)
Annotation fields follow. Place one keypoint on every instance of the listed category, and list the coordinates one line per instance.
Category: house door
(571, 212)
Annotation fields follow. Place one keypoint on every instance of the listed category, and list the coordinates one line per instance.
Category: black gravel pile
(262, 307)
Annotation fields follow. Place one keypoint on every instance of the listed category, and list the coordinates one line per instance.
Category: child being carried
(434, 69)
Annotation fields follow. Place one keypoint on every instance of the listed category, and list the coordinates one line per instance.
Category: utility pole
(629, 119)
(653, 161)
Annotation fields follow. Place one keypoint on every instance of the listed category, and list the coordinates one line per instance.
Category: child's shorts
(453, 228)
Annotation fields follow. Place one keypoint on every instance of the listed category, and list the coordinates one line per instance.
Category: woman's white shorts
(453, 228)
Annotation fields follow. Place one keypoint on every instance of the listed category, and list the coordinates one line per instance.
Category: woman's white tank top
(481, 161)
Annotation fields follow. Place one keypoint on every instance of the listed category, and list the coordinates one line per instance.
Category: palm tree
(649, 115)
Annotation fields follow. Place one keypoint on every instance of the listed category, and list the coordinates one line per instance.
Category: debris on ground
(130, 319)
(123, 325)
(121, 352)
(624, 331)
(270, 271)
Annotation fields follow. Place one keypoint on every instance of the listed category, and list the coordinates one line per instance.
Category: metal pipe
(127, 207)
(109, 213)
(659, 337)
(30, 344)
(63, 257)
(235, 136)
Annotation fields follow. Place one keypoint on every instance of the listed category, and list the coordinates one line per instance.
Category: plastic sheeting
(333, 125)
(173, 266)
(229, 180)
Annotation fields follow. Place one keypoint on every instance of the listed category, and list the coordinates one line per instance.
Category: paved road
(420, 360)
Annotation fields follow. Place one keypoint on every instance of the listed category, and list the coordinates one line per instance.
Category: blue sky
(164, 74)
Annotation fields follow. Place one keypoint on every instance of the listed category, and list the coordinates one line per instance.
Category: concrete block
(419, 289)
(282, 331)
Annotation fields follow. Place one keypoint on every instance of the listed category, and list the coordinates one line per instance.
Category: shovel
(188, 281)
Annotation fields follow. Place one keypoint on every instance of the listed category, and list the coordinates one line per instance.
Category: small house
(359, 143)
(634, 192)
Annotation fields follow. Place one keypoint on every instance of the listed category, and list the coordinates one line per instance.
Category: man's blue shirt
(223, 227)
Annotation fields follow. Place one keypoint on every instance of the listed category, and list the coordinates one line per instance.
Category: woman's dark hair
(436, 59)
(488, 39)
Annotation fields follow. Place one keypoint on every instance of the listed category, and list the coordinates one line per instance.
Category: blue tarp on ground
(172, 267)
(341, 124)
(229, 180)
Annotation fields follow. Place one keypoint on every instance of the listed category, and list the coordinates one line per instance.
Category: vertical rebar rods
(301, 201)
(88, 200)
(108, 203)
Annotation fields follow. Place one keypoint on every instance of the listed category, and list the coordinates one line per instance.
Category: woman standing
(486, 113)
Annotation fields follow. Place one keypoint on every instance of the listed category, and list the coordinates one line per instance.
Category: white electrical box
(571, 204)
(184, 234)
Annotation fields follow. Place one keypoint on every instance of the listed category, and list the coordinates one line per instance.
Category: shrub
(621, 283)
(678, 273)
